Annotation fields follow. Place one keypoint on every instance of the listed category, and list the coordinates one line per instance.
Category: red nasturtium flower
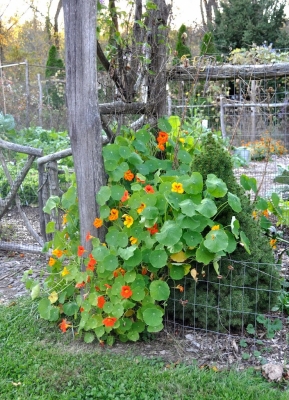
(100, 302)
(91, 263)
(88, 236)
(153, 229)
(128, 175)
(161, 147)
(80, 251)
(80, 285)
(149, 189)
(107, 286)
(81, 309)
(266, 213)
(109, 321)
(113, 214)
(126, 292)
(125, 196)
(144, 270)
(98, 222)
(64, 324)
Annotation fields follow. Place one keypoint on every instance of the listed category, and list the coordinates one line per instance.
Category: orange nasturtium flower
(273, 243)
(51, 261)
(153, 229)
(133, 240)
(64, 219)
(141, 208)
(266, 213)
(97, 222)
(64, 324)
(119, 271)
(125, 196)
(126, 292)
(177, 188)
(65, 272)
(144, 270)
(109, 321)
(81, 309)
(128, 220)
(128, 175)
(180, 287)
(161, 147)
(215, 228)
(163, 137)
(80, 251)
(113, 216)
(100, 301)
(149, 189)
(58, 253)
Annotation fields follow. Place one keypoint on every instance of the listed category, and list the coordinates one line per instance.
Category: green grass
(37, 361)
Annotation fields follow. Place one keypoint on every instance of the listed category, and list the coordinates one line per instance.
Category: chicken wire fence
(217, 322)
(250, 115)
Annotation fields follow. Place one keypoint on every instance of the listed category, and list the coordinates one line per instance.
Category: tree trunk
(83, 111)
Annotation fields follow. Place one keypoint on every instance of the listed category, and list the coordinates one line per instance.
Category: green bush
(248, 283)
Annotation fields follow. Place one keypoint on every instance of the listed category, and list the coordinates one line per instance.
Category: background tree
(208, 9)
(181, 47)
(240, 23)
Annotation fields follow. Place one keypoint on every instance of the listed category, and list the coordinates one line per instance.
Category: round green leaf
(216, 186)
(192, 238)
(70, 308)
(159, 290)
(234, 202)
(203, 255)
(177, 271)
(188, 207)
(117, 192)
(110, 165)
(194, 184)
(157, 328)
(165, 126)
(111, 152)
(170, 233)
(184, 156)
(103, 195)
(138, 293)
(152, 316)
(207, 208)
(125, 151)
(158, 258)
(133, 336)
(216, 241)
(110, 262)
(88, 337)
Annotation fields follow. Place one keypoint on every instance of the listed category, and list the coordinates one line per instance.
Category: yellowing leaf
(194, 274)
(53, 297)
(179, 257)
(129, 313)
(187, 268)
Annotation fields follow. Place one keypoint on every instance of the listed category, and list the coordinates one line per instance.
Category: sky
(184, 11)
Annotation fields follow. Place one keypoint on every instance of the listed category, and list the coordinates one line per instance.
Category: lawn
(39, 362)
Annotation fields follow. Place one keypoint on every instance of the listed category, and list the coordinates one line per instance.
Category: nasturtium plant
(158, 222)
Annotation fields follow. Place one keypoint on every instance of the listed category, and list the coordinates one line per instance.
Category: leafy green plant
(159, 216)
(271, 326)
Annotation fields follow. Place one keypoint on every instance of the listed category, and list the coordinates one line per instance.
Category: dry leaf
(194, 274)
